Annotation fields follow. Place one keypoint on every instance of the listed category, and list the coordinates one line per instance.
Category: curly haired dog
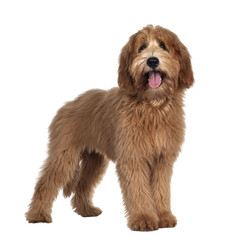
(139, 125)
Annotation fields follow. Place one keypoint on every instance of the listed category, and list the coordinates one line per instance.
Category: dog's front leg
(161, 178)
(134, 177)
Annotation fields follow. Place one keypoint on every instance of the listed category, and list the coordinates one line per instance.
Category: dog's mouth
(154, 78)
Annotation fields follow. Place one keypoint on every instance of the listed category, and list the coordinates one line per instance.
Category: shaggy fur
(139, 127)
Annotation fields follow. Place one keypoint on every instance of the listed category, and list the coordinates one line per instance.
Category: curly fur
(138, 127)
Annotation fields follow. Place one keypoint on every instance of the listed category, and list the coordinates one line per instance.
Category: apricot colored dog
(139, 125)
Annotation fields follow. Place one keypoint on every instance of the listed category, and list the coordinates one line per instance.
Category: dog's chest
(155, 131)
(156, 134)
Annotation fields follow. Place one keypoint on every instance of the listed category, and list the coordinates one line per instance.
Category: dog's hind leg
(58, 169)
(72, 184)
(93, 166)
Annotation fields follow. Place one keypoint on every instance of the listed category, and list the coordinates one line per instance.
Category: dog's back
(88, 122)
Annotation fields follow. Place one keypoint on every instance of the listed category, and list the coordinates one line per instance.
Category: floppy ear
(185, 77)
(125, 81)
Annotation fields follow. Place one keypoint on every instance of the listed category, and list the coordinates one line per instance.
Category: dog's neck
(159, 102)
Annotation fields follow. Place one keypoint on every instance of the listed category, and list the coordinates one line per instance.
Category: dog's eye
(142, 48)
(162, 45)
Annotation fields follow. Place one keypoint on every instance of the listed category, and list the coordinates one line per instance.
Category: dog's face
(154, 63)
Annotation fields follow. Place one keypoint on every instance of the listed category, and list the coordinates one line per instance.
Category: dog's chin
(155, 86)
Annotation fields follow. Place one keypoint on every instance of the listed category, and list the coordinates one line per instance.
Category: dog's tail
(72, 184)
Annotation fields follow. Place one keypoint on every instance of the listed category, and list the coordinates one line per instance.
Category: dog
(138, 125)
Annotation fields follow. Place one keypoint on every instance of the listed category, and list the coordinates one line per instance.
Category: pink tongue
(154, 79)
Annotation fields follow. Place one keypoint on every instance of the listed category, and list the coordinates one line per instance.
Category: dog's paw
(89, 211)
(167, 220)
(37, 217)
(144, 223)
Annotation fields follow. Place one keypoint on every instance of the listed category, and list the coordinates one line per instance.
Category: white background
(51, 51)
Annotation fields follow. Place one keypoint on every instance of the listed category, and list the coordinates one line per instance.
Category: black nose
(152, 62)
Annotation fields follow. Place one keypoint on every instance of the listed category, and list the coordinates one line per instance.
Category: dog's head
(154, 63)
